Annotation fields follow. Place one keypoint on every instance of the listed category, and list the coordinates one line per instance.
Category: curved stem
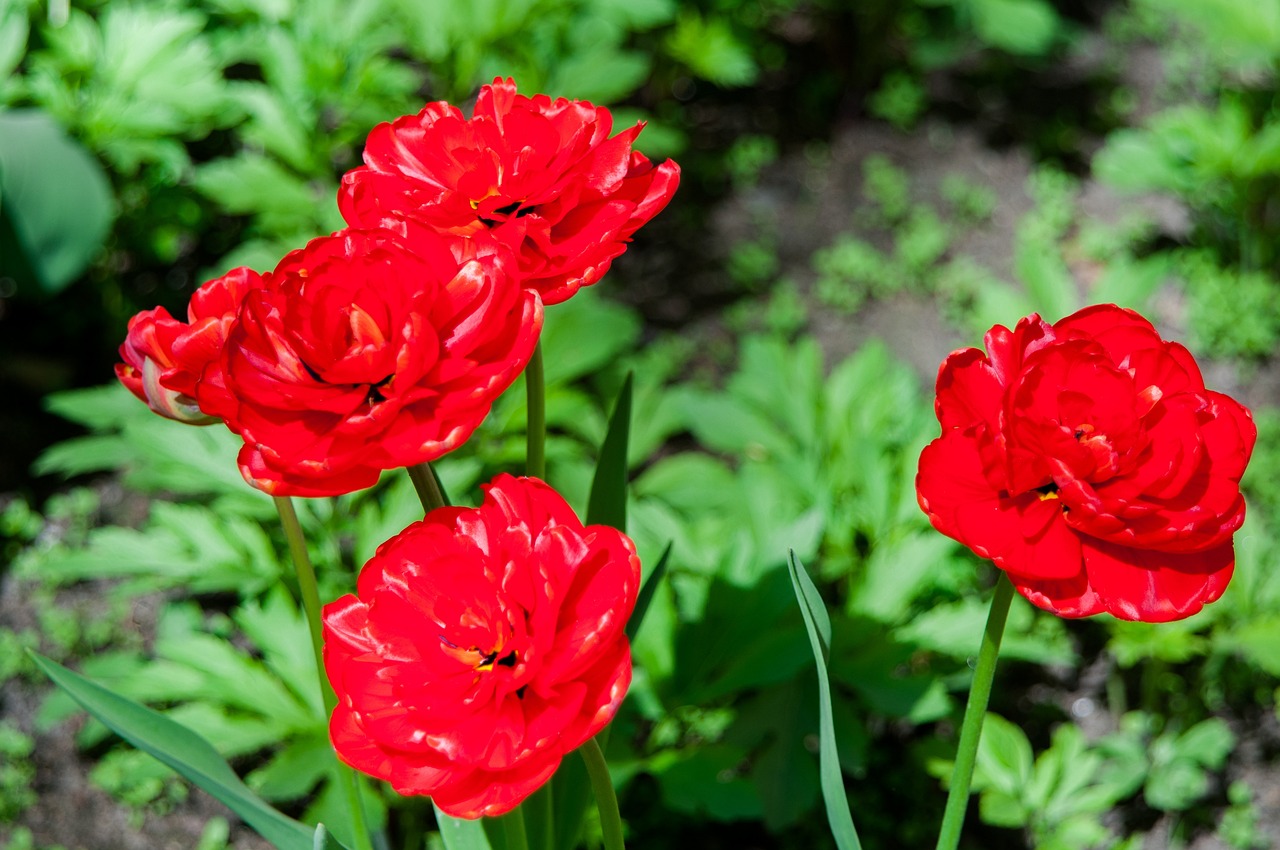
(424, 481)
(606, 800)
(974, 713)
(310, 592)
(536, 403)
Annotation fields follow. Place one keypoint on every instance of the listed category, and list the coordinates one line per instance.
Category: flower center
(515, 208)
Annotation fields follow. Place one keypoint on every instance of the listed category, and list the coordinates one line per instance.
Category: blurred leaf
(710, 49)
(709, 783)
(55, 201)
(1025, 27)
(584, 334)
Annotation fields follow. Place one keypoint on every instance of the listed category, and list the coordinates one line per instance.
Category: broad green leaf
(182, 750)
(607, 504)
(1208, 743)
(55, 202)
(1004, 762)
(818, 625)
(709, 783)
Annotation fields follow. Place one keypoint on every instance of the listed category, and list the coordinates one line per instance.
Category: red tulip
(1089, 462)
(541, 177)
(482, 646)
(166, 361)
(369, 350)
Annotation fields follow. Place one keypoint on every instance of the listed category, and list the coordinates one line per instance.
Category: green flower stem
(974, 713)
(606, 800)
(513, 829)
(310, 592)
(424, 481)
(536, 403)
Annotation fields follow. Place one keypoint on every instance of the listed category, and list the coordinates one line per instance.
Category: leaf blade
(818, 624)
(164, 739)
(607, 504)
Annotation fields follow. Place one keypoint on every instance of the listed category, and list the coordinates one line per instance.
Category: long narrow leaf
(818, 625)
(184, 751)
(607, 504)
(647, 590)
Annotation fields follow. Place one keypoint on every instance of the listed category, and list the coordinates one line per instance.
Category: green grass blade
(184, 751)
(818, 625)
(608, 502)
(647, 590)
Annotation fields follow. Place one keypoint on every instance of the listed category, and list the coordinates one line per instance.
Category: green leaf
(647, 590)
(182, 750)
(1025, 27)
(323, 840)
(710, 49)
(459, 834)
(1005, 760)
(55, 202)
(818, 624)
(607, 504)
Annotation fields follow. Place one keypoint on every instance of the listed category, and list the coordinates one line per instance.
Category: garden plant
(408, 522)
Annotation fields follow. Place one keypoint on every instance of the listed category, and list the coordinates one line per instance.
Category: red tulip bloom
(1089, 462)
(369, 350)
(482, 646)
(166, 361)
(541, 177)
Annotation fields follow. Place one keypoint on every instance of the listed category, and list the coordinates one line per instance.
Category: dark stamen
(375, 395)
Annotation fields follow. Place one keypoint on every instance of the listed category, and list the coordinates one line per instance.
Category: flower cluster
(482, 645)
(385, 344)
(1088, 461)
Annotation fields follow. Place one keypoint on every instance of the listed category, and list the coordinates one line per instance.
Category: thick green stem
(606, 800)
(974, 713)
(513, 830)
(536, 403)
(310, 592)
(424, 481)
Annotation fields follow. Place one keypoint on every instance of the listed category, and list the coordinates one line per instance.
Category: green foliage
(900, 100)
(132, 84)
(1239, 824)
(55, 202)
(711, 50)
(1058, 797)
(16, 772)
(22, 839)
(184, 750)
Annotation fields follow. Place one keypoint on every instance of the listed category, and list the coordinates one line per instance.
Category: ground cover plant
(738, 494)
